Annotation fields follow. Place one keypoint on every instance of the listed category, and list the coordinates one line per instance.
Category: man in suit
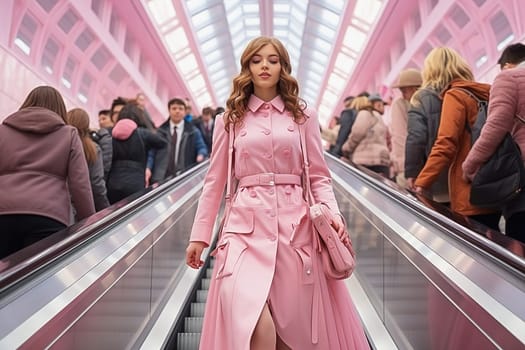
(186, 146)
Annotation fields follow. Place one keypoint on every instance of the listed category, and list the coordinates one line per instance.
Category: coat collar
(255, 103)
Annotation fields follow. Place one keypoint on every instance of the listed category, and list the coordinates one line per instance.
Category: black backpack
(502, 177)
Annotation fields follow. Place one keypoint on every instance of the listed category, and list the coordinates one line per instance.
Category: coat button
(266, 106)
(253, 194)
(271, 191)
(273, 238)
(266, 131)
(243, 132)
(291, 128)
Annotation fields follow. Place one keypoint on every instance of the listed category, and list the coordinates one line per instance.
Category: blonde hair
(443, 65)
(79, 118)
(361, 102)
(242, 89)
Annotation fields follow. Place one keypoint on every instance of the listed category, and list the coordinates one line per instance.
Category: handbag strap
(306, 167)
(228, 195)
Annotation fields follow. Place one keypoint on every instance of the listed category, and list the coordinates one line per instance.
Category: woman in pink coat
(268, 289)
(506, 113)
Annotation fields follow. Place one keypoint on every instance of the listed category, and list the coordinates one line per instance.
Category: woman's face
(265, 68)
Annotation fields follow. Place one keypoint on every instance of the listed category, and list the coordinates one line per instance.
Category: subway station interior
(426, 277)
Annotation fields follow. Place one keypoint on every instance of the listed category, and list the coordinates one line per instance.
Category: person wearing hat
(408, 82)
(378, 104)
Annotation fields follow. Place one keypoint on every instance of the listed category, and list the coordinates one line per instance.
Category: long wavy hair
(46, 97)
(242, 89)
(79, 118)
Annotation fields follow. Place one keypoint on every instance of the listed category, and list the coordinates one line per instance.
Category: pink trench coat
(265, 254)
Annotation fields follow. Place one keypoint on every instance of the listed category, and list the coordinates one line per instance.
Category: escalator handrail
(28, 261)
(490, 242)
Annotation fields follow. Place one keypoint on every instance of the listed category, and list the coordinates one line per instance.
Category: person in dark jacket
(79, 118)
(424, 116)
(103, 139)
(131, 143)
(205, 124)
(186, 146)
(453, 141)
(43, 169)
(346, 120)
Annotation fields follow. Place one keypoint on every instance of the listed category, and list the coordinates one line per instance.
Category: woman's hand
(339, 226)
(193, 254)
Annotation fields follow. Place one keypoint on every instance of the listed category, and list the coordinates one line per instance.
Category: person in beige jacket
(367, 143)
(408, 82)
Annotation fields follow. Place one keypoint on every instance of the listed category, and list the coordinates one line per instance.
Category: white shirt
(180, 130)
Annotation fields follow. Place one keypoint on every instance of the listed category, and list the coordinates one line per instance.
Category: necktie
(172, 162)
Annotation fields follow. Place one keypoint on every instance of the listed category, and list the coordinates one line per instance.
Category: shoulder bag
(502, 176)
(337, 254)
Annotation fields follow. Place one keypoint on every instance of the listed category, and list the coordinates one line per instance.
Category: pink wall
(17, 81)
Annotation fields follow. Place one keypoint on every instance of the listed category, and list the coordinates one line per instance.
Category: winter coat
(424, 116)
(98, 185)
(128, 167)
(43, 168)
(367, 141)
(103, 138)
(453, 143)
(346, 121)
(399, 115)
(507, 100)
(206, 134)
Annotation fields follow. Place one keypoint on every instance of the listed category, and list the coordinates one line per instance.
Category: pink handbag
(337, 254)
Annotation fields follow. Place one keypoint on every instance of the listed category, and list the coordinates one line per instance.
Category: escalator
(119, 281)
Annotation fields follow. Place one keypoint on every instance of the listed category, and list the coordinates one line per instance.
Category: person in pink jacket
(506, 113)
(269, 290)
(42, 169)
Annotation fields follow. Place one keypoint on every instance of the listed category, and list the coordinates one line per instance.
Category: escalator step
(201, 296)
(188, 341)
(205, 283)
(209, 272)
(193, 324)
(197, 309)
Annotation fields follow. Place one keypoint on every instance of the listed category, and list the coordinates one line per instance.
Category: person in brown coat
(453, 141)
(42, 170)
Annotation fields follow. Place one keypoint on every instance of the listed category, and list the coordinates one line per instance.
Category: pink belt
(269, 179)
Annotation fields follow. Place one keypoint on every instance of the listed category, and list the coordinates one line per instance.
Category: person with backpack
(453, 142)
(506, 113)
(424, 115)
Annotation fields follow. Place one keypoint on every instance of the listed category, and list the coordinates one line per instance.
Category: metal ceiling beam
(266, 17)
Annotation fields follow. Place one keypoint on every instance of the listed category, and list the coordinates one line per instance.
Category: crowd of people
(265, 261)
(77, 170)
(427, 147)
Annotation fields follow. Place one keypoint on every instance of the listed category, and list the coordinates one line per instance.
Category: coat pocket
(239, 220)
(227, 255)
(307, 273)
